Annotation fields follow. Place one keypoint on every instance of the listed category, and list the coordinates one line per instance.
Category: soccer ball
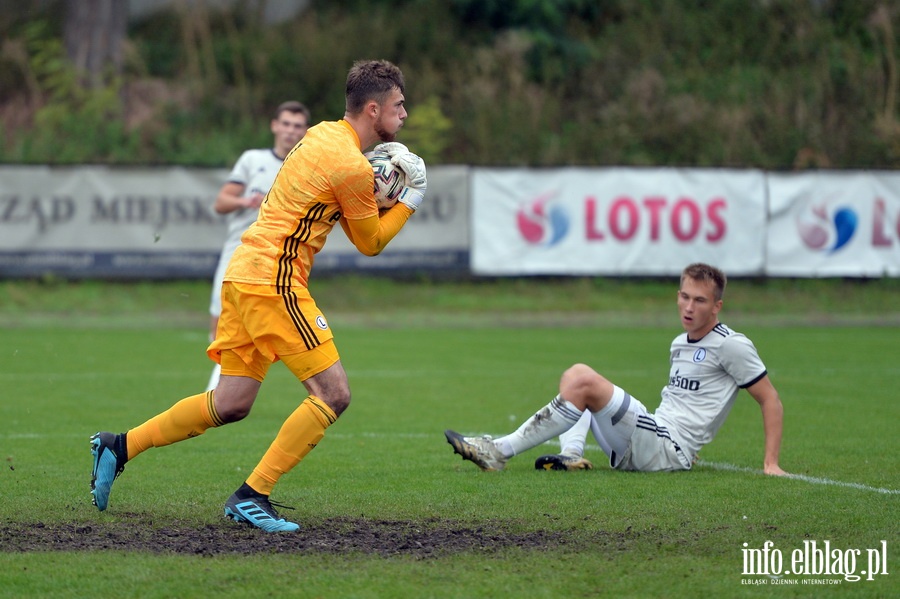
(389, 179)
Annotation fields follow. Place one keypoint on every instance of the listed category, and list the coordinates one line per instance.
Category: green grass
(413, 374)
(530, 302)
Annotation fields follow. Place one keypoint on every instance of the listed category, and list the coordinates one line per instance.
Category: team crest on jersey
(699, 355)
(320, 322)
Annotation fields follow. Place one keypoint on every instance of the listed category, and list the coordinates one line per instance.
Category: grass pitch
(385, 466)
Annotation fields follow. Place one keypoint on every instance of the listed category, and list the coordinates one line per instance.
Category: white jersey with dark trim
(704, 379)
(255, 170)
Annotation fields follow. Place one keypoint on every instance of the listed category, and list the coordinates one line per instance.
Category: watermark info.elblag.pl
(813, 563)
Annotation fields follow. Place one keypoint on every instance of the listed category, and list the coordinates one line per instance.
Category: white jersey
(255, 170)
(704, 379)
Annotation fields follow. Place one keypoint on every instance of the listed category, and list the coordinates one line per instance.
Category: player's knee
(234, 397)
(338, 400)
(233, 412)
(580, 383)
(581, 375)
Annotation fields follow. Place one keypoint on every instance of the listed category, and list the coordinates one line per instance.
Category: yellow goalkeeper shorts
(259, 326)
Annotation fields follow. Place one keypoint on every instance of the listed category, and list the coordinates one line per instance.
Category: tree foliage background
(774, 84)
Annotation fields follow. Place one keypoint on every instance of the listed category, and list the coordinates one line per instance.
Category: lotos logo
(821, 229)
(541, 222)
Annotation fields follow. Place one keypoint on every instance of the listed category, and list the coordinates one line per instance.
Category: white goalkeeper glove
(411, 197)
(414, 168)
(412, 165)
(416, 181)
(392, 148)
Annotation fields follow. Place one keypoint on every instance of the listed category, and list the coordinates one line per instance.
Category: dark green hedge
(774, 84)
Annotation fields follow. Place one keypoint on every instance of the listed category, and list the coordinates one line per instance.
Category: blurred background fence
(157, 222)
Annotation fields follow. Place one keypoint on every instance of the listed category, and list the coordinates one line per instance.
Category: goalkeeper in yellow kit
(267, 311)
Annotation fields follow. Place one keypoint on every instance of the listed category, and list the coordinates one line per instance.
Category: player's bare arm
(773, 416)
(231, 198)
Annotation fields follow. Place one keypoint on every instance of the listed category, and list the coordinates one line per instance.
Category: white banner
(104, 208)
(436, 238)
(96, 221)
(115, 222)
(834, 224)
(616, 221)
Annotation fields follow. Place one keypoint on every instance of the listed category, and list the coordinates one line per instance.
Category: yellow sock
(298, 436)
(188, 418)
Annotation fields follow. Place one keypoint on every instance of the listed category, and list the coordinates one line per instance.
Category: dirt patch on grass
(420, 540)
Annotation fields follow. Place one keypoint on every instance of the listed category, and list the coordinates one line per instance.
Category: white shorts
(633, 439)
(652, 449)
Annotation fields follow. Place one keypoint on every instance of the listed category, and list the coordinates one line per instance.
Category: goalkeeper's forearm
(371, 235)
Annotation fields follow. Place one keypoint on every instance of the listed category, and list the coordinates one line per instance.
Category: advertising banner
(834, 224)
(435, 240)
(146, 223)
(105, 222)
(616, 221)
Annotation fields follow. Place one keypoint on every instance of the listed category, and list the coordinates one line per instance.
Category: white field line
(714, 465)
(809, 479)
(590, 448)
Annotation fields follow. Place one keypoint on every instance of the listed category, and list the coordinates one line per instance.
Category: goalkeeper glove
(414, 168)
(416, 182)
(411, 197)
(412, 165)
(392, 148)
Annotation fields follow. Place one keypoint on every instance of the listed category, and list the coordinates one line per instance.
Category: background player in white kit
(247, 186)
(709, 364)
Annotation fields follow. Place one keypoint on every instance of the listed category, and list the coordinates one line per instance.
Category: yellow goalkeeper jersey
(324, 177)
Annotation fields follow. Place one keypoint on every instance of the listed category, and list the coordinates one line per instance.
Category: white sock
(571, 442)
(550, 421)
(614, 437)
(214, 377)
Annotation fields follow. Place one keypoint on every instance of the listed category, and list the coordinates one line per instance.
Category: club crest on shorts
(320, 322)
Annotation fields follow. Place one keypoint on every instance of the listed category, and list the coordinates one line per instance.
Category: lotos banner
(107, 222)
(616, 221)
(834, 224)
